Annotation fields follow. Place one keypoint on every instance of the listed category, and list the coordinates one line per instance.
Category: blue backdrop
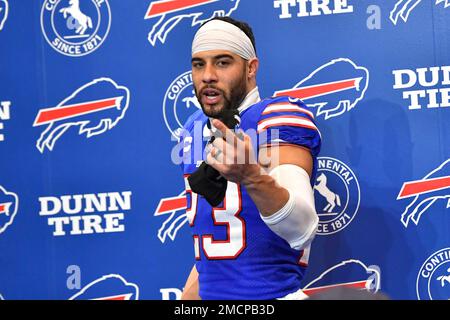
(93, 92)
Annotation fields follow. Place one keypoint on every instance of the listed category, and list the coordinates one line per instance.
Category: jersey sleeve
(288, 122)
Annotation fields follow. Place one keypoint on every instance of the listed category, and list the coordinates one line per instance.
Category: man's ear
(253, 66)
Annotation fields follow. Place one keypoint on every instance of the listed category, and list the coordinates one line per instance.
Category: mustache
(211, 87)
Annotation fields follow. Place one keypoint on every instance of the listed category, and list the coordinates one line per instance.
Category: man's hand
(233, 156)
(235, 159)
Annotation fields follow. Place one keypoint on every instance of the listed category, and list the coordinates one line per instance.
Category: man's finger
(219, 143)
(227, 134)
(222, 145)
(227, 151)
(217, 154)
(214, 163)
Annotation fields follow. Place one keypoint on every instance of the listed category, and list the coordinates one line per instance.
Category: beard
(231, 101)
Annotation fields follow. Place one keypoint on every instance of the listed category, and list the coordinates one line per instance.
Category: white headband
(221, 35)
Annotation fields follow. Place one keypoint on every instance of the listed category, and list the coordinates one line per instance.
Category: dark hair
(240, 24)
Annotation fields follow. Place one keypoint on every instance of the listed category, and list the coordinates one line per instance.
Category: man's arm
(267, 194)
(190, 291)
(281, 190)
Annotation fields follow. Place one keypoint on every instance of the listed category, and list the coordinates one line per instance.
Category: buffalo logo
(179, 103)
(425, 192)
(337, 195)
(433, 279)
(403, 9)
(94, 108)
(175, 208)
(334, 88)
(356, 274)
(75, 27)
(1, 297)
(170, 12)
(3, 12)
(110, 287)
(9, 204)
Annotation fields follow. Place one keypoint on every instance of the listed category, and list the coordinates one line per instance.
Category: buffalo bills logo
(174, 209)
(110, 287)
(3, 12)
(403, 9)
(424, 192)
(353, 274)
(9, 204)
(93, 109)
(168, 13)
(332, 89)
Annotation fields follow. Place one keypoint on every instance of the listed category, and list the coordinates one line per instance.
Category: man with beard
(249, 197)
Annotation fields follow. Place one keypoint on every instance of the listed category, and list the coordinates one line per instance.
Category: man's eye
(223, 63)
(197, 64)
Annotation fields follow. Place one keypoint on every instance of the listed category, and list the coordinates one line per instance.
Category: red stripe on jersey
(293, 108)
(286, 124)
(285, 121)
(281, 144)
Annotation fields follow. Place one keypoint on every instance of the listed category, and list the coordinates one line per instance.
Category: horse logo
(444, 279)
(82, 21)
(332, 198)
(75, 27)
(338, 195)
(192, 100)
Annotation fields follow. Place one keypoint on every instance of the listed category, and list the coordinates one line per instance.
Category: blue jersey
(238, 256)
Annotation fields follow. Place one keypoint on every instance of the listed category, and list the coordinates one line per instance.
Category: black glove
(206, 180)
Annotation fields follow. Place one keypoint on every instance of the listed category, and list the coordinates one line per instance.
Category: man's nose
(209, 74)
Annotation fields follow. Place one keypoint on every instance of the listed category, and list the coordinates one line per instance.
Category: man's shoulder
(283, 99)
(260, 106)
(274, 107)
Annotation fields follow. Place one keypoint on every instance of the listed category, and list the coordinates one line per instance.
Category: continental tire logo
(337, 195)
(75, 27)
